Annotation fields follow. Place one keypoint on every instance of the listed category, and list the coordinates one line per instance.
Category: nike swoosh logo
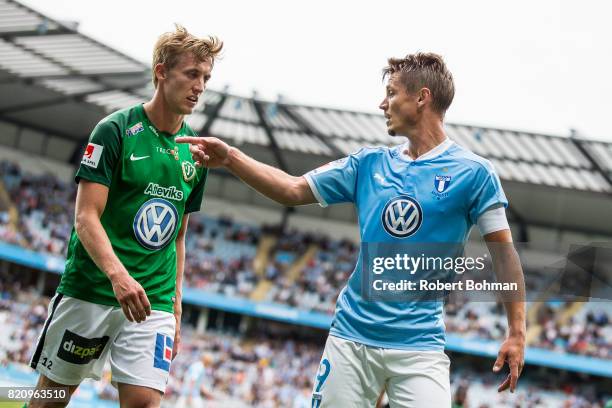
(134, 158)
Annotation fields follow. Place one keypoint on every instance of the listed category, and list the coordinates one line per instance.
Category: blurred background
(261, 280)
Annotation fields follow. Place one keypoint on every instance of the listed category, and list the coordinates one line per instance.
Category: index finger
(189, 139)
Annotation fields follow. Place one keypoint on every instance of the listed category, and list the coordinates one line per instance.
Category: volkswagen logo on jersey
(155, 223)
(441, 183)
(402, 216)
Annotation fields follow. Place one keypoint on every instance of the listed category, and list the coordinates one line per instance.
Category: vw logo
(155, 223)
(402, 216)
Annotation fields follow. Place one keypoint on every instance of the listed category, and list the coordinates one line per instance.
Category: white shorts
(78, 337)
(353, 375)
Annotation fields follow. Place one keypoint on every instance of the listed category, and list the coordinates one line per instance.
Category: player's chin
(187, 109)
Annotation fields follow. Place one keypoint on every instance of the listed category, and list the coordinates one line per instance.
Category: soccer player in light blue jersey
(428, 190)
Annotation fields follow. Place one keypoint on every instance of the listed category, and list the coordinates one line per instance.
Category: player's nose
(199, 87)
(384, 105)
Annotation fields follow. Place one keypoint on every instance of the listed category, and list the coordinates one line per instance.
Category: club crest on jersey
(441, 183)
(155, 223)
(189, 171)
(402, 216)
(137, 128)
(163, 352)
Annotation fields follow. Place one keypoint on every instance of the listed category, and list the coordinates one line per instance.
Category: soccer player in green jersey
(120, 294)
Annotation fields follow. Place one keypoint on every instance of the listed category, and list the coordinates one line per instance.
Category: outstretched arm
(269, 181)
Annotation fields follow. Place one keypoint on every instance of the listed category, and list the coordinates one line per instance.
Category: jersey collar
(145, 118)
(435, 152)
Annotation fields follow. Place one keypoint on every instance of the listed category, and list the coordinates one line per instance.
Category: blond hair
(425, 70)
(171, 45)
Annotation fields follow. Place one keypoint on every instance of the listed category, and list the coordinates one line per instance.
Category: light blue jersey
(435, 199)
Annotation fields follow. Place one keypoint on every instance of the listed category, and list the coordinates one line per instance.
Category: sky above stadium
(542, 66)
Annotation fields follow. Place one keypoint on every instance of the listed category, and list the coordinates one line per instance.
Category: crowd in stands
(483, 320)
(257, 371)
(261, 370)
(22, 314)
(221, 256)
(475, 386)
(317, 285)
(45, 206)
(588, 333)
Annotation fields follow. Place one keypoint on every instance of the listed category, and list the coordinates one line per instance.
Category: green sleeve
(194, 201)
(101, 154)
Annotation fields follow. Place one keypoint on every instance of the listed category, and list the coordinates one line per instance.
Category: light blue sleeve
(487, 192)
(335, 182)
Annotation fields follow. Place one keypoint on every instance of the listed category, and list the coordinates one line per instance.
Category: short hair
(425, 70)
(171, 45)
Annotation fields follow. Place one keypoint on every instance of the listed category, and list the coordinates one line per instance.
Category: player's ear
(160, 71)
(423, 97)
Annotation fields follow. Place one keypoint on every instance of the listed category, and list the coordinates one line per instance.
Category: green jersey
(152, 183)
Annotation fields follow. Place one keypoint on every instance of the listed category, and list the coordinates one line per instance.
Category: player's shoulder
(470, 159)
(122, 119)
(370, 152)
(353, 160)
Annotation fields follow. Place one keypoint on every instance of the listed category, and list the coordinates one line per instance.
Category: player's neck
(161, 116)
(425, 136)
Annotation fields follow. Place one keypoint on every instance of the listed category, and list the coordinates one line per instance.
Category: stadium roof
(59, 82)
(48, 71)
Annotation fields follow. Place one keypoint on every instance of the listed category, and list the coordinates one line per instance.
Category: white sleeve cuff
(493, 220)
(315, 192)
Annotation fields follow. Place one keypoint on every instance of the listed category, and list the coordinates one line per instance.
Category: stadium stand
(267, 368)
(245, 268)
(587, 332)
(56, 75)
(222, 254)
(316, 286)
